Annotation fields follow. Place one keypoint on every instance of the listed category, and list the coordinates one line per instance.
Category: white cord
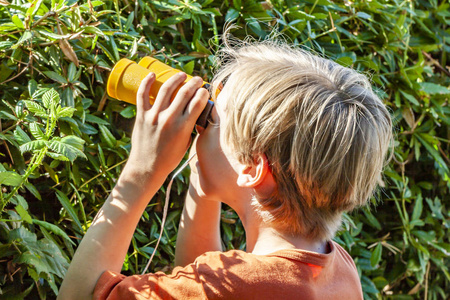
(166, 208)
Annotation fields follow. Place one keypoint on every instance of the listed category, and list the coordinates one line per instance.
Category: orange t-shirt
(285, 274)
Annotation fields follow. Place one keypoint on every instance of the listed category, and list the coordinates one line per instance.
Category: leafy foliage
(64, 141)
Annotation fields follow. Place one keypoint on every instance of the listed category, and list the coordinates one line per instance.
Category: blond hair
(323, 129)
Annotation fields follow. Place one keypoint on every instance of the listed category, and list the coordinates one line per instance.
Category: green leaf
(5, 45)
(34, 7)
(34, 260)
(201, 48)
(37, 132)
(8, 116)
(67, 98)
(363, 15)
(62, 112)
(231, 15)
(133, 49)
(115, 50)
(376, 255)
(417, 223)
(371, 219)
(50, 98)
(69, 208)
(189, 67)
(32, 189)
(432, 88)
(23, 214)
(21, 136)
(418, 206)
(45, 257)
(107, 136)
(53, 36)
(94, 119)
(32, 146)
(32, 87)
(73, 141)
(36, 109)
(34, 275)
(171, 21)
(101, 155)
(55, 76)
(94, 30)
(424, 236)
(94, 3)
(22, 234)
(17, 21)
(53, 228)
(227, 231)
(57, 156)
(25, 37)
(65, 149)
(10, 178)
(17, 199)
(71, 72)
(410, 98)
(368, 286)
(434, 153)
(107, 52)
(129, 112)
(345, 61)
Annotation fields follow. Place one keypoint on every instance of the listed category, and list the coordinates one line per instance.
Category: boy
(295, 141)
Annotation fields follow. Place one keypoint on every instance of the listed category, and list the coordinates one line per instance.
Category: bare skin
(217, 177)
(164, 131)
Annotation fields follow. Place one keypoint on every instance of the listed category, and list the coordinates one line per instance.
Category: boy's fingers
(167, 89)
(143, 93)
(185, 94)
(196, 105)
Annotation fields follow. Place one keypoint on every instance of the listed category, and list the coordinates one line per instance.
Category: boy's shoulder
(299, 274)
(238, 259)
(236, 274)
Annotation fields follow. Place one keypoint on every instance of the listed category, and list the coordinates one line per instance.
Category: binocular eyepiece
(126, 76)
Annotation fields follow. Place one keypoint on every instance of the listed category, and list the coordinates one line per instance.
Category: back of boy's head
(324, 132)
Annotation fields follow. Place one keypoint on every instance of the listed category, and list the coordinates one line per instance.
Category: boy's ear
(258, 177)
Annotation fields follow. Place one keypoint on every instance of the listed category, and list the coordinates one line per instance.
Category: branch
(14, 77)
(48, 14)
(436, 63)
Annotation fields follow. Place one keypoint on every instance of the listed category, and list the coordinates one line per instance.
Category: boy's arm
(160, 138)
(199, 229)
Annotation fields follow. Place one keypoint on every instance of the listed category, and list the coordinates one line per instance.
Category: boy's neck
(263, 240)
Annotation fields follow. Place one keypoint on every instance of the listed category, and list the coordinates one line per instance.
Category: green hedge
(64, 141)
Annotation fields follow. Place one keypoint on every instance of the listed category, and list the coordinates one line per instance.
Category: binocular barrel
(126, 76)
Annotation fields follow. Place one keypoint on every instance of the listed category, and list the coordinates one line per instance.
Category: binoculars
(126, 76)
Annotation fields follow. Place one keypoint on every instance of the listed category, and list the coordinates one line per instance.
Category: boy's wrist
(136, 183)
(144, 171)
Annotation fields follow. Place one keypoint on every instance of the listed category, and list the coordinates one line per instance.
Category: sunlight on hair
(324, 130)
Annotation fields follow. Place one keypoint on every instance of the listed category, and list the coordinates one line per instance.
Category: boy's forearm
(106, 242)
(162, 129)
(199, 229)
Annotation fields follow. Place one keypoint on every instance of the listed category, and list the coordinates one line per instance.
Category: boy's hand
(162, 133)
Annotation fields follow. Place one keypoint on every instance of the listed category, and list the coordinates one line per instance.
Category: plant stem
(314, 6)
(10, 127)
(35, 162)
(116, 6)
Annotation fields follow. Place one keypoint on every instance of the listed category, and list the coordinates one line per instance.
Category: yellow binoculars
(126, 76)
